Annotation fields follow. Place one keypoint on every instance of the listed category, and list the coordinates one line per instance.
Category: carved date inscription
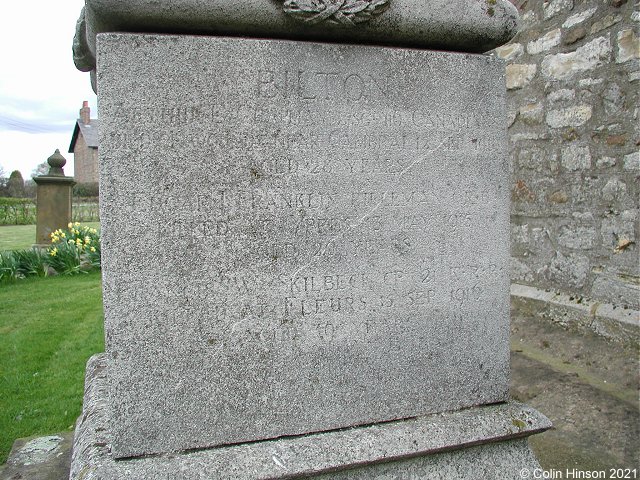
(321, 203)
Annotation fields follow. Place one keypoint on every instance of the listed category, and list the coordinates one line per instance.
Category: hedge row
(22, 211)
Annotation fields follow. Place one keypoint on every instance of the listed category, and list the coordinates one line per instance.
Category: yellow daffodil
(92, 249)
(53, 252)
(87, 239)
(55, 239)
(70, 242)
(70, 225)
(63, 235)
(77, 224)
(94, 231)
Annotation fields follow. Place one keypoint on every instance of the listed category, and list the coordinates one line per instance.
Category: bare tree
(41, 169)
(3, 182)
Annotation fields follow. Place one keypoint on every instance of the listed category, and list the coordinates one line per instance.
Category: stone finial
(56, 163)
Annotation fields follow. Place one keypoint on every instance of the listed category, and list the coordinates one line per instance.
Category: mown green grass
(22, 237)
(49, 327)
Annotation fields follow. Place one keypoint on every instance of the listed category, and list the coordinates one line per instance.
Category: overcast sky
(40, 89)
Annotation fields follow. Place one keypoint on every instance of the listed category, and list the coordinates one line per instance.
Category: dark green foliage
(9, 267)
(86, 190)
(15, 185)
(32, 263)
(17, 211)
(18, 264)
(66, 261)
(22, 211)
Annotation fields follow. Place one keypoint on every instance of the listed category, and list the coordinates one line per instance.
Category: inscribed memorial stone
(299, 237)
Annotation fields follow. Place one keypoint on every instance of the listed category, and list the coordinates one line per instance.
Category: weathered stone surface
(576, 157)
(409, 447)
(578, 18)
(619, 140)
(520, 271)
(586, 315)
(614, 189)
(53, 206)
(532, 114)
(562, 66)
(564, 94)
(577, 236)
(553, 7)
(534, 159)
(569, 117)
(520, 233)
(510, 52)
(628, 46)
(570, 270)
(575, 34)
(520, 75)
(39, 458)
(323, 237)
(436, 24)
(590, 82)
(623, 292)
(528, 18)
(632, 161)
(518, 137)
(613, 97)
(559, 196)
(606, 22)
(604, 162)
(544, 43)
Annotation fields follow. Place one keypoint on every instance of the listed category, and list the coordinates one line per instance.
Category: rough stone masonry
(572, 75)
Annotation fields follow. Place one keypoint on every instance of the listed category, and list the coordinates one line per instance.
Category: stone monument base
(480, 442)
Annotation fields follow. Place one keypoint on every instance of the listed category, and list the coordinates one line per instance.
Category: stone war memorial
(305, 224)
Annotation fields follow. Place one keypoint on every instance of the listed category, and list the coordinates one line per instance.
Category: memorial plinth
(53, 200)
(323, 231)
(305, 245)
(457, 25)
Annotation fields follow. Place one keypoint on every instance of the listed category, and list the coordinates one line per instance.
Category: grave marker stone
(298, 238)
(326, 230)
(53, 200)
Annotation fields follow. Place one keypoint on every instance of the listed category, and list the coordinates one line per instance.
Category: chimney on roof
(85, 113)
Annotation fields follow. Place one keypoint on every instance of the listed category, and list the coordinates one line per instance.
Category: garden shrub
(17, 211)
(75, 249)
(9, 267)
(86, 189)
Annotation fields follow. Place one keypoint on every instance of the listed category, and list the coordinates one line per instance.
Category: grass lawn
(19, 237)
(49, 327)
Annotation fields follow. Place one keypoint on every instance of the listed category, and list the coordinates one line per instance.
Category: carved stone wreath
(343, 12)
